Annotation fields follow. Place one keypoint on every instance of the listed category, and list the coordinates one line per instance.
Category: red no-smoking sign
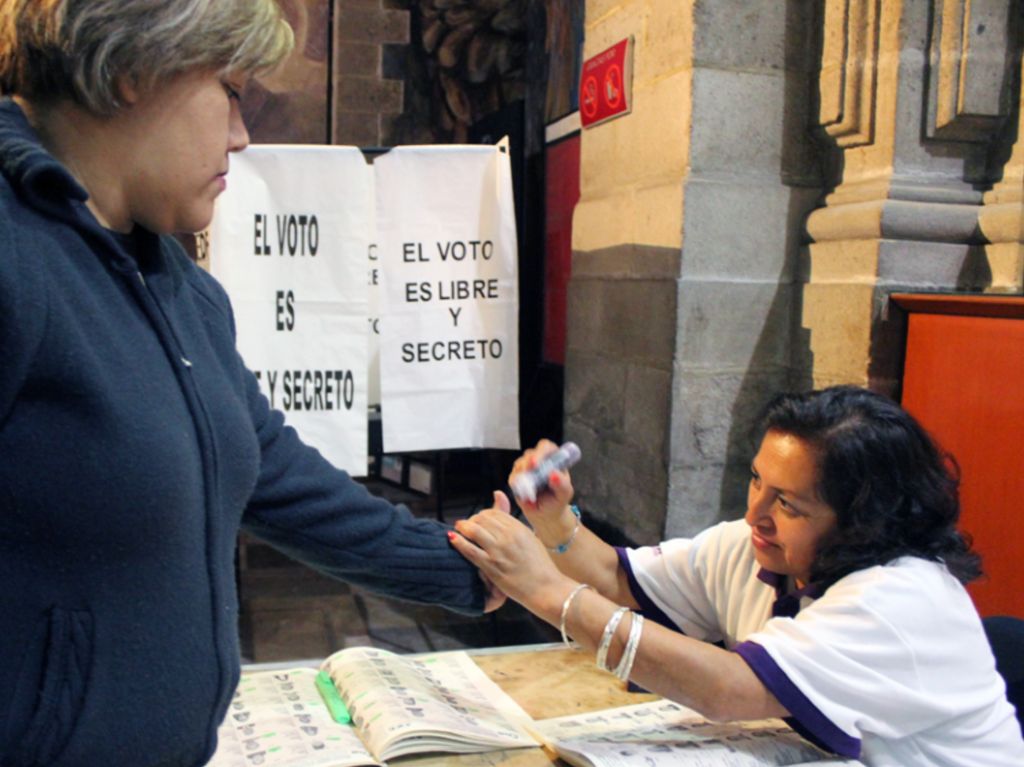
(605, 84)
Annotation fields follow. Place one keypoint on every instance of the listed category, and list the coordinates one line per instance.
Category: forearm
(715, 682)
(583, 556)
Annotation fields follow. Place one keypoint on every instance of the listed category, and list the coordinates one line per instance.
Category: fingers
(491, 528)
(501, 502)
(532, 456)
(473, 553)
(559, 490)
(560, 484)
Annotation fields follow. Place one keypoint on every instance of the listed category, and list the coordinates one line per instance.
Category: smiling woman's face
(787, 518)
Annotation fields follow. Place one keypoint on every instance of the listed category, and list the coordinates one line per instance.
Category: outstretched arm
(717, 683)
(574, 550)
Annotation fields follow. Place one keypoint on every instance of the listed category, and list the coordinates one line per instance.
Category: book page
(277, 719)
(427, 703)
(662, 734)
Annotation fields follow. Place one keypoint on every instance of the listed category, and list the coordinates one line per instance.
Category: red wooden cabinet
(963, 379)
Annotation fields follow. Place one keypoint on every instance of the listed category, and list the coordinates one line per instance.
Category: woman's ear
(128, 91)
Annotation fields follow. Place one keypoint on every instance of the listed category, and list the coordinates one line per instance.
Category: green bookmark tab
(331, 698)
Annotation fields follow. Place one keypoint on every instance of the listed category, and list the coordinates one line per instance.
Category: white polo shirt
(890, 665)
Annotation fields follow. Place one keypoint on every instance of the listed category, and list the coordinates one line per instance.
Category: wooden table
(547, 681)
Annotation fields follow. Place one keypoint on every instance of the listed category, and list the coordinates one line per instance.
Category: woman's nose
(759, 502)
(238, 137)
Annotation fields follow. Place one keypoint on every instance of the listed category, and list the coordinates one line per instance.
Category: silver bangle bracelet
(566, 606)
(606, 637)
(625, 667)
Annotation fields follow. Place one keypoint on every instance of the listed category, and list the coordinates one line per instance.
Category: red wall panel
(964, 381)
(562, 191)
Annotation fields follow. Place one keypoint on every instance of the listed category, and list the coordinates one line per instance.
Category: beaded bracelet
(566, 606)
(622, 671)
(606, 637)
(563, 547)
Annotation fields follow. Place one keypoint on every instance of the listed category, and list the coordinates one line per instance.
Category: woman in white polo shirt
(837, 602)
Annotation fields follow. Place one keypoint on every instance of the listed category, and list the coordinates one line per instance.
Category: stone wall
(682, 305)
(922, 100)
(622, 300)
(365, 97)
(787, 166)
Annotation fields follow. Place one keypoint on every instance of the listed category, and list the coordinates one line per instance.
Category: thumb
(501, 502)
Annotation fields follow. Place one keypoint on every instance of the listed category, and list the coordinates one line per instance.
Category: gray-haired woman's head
(86, 49)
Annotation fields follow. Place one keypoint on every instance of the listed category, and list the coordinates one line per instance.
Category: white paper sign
(373, 388)
(449, 298)
(289, 242)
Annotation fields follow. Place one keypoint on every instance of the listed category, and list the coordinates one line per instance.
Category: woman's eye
(232, 92)
(788, 509)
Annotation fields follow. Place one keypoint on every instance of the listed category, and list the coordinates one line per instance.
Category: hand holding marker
(525, 486)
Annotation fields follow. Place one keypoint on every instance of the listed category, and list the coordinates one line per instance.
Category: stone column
(622, 296)
(1001, 219)
(682, 302)
(914, 95)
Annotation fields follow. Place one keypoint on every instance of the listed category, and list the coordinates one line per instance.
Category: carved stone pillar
(1001, 219)
(683, 300)
(915, 97)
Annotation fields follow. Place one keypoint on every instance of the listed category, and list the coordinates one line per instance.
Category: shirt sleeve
(693, 582)
(319, 515)
(888, 650)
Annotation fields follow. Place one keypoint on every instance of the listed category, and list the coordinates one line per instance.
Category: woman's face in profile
(181, 133)
(787, 518)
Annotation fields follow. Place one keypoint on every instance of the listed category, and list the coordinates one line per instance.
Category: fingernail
(451, 535)
(554, 479)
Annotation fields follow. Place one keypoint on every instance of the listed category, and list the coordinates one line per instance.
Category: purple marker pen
(525, 486)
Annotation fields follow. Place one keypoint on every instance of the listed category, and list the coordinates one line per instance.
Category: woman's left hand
(507, 553)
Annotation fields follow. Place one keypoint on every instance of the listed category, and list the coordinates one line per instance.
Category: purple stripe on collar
(787, 605)
(807, 719)
(775, 580)
(647, 606)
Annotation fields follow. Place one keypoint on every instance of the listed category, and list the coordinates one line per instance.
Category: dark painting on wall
(564, 47)
(289, 106)
(466, 61)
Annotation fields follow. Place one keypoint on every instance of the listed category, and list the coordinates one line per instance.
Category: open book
(666, 734)
(399, 705)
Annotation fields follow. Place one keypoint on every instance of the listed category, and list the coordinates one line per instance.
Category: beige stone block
(660, 128)
(650, 143)
(844, 262)
(1006, 263)
(838, 319)
(603, 150)
(604, 221)
(618, 23)
(638, 215)
(668, 39)
(600, 11)
(659, 214)
(1002, 222)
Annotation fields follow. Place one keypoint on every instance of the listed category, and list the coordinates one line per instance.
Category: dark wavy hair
(894, 491)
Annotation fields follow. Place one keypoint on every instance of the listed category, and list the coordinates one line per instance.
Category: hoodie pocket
(61, 688)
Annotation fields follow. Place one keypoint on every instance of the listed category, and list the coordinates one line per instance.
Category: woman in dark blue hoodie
(135, 444)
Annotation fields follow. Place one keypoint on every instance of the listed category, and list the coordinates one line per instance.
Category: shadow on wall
(810, 165)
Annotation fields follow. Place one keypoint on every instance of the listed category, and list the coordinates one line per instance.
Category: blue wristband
(563, 547)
